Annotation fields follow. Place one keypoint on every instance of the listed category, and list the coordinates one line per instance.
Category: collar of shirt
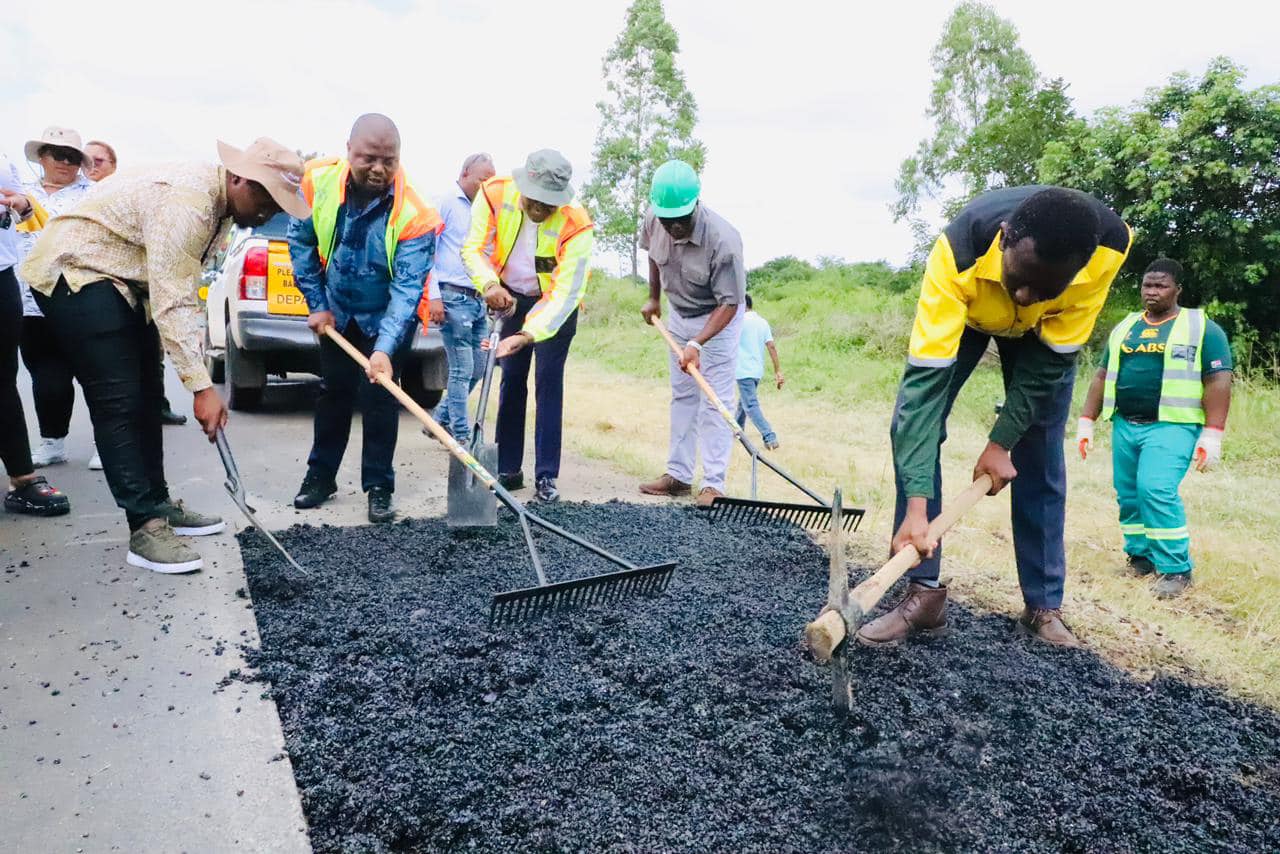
(36, 188)
(353, 193)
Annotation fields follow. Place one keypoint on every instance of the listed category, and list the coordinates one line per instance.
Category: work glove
(1084, 436)
(1208, 451)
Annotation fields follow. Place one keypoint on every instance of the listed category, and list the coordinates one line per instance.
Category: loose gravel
(694, 722)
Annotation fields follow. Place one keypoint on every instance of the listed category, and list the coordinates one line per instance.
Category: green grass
(842, 333)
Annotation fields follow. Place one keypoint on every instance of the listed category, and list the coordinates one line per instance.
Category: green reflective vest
(1182, 384)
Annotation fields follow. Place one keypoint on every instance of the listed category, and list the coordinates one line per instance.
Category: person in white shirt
(757, 336)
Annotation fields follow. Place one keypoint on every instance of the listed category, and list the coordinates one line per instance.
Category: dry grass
(1223, 632)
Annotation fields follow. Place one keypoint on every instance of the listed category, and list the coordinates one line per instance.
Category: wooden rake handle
(699, 378)
(442, 435)
(829, 630)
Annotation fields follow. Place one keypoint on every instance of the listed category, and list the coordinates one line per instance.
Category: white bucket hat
(57, 137)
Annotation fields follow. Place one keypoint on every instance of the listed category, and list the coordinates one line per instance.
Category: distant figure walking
(757, 336)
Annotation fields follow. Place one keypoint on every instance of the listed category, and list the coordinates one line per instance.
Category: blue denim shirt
(356, 284)
(455, 210)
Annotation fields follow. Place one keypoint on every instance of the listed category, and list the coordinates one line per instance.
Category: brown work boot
(708, 495)
(665, 485)
(1045, 624)
(922, 611)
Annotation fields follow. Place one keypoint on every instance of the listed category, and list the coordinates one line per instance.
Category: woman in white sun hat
(59, 188)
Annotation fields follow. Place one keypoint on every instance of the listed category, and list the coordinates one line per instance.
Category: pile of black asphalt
(694, 721)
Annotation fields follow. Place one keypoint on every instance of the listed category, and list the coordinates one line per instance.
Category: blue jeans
(749, 404)
(465, 327)
(1039, 503)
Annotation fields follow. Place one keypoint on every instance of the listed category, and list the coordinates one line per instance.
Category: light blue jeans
(465, 327)
(749, 404)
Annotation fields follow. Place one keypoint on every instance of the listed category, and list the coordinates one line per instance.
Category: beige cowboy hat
(56, 137)
(276, 168)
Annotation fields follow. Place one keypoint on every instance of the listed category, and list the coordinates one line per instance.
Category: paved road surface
(116, 732)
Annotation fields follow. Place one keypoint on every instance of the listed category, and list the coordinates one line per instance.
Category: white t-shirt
(520, 275)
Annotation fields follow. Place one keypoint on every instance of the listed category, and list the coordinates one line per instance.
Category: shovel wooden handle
(699, 378)
(442, 435)
(828, 631)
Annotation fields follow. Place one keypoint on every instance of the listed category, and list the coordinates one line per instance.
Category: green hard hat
(675, 189)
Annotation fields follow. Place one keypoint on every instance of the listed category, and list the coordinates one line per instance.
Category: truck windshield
(276, 228)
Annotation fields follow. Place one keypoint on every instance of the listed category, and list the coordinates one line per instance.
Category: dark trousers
(52, 380)
(1039, 499)
(343, 384)
(15, 447)
(113, 353)
(513, 397)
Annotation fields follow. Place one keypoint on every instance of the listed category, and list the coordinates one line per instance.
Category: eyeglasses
(63, 155)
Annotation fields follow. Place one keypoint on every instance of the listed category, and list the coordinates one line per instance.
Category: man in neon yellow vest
(1165, 383)
(529, 255)
(360, 261)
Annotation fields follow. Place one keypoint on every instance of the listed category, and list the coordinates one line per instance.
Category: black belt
(465, 290)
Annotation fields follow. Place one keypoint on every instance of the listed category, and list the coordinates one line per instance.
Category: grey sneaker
(154, 546)
(1172, 584)
(188, 523)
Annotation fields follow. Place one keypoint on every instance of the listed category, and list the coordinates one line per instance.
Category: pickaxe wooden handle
(829, 630)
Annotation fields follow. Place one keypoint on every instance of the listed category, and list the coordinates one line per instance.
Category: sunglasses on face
(63, 155)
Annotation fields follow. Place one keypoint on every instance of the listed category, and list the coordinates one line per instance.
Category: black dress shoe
(546, 489)
(380, 505)
(316, 489)
(37, 498)
(171, 418)
(511, 481)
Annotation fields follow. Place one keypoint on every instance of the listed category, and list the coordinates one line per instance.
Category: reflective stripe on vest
(1181, 382)
(505, 218)
(324, 185)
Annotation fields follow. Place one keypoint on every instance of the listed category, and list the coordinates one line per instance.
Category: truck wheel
(411, 382)
(216, 367)
(246, 378)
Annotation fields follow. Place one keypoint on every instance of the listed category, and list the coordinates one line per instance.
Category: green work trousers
(1148, 464)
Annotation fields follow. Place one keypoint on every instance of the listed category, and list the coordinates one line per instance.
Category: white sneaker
(95, 462)
(49, 452)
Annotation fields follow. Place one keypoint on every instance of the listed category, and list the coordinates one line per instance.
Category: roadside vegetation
(842, 331)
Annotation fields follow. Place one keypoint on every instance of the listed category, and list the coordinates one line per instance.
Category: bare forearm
(1093, 398)
(716, 322)
(1217, 399)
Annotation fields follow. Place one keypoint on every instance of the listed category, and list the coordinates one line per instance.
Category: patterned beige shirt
(147, 230)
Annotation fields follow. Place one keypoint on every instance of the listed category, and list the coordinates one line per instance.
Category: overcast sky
(806, 108)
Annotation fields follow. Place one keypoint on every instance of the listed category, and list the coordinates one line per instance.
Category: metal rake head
(518, 606)
(811, 517)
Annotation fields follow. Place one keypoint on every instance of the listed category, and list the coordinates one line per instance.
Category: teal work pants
(1148, 463)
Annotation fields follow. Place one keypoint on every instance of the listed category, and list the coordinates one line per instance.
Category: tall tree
(991, 116)
(1194, 168)
(647, 118)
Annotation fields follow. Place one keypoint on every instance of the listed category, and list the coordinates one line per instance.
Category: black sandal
(37, 498)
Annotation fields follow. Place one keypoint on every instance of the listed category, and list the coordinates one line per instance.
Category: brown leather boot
(708, 495)
(922, 611)
(665, 485)
(1045, 624)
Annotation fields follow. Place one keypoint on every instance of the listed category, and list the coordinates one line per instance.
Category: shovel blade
(519, 606)
(471, 504)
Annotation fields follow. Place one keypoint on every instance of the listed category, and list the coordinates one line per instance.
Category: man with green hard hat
(696, 257)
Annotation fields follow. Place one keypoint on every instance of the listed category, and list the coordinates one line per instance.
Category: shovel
(753, 511)
(470, 503)
(516, 606)
(235, 488)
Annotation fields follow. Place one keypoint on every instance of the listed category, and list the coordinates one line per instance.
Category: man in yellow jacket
(529, 255)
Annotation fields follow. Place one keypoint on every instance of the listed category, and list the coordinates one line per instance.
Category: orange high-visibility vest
(324, 185)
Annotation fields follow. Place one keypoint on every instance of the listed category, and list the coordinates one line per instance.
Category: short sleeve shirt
(703, 272)
(1142, 365)
(755, 334)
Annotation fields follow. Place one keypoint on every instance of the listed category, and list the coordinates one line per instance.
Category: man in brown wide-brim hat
(120, 271)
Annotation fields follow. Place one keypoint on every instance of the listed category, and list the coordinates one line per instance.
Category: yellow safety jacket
(324, 185)
(1182, 382)
(562, 256)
